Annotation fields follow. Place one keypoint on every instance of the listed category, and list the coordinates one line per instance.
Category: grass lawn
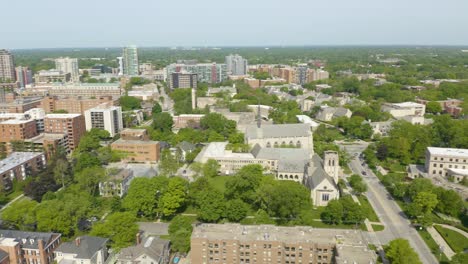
(367, 207)
(318, 224)
(454, 239)
(432, 245)
(378, 227)
(317, 211)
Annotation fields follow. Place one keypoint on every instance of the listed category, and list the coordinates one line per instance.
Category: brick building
(73, 125)
(136, 143)
(14, 129)
(19, 166)
(75, 105)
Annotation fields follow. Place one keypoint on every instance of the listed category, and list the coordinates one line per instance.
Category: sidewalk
(454, 229)
(441, 242)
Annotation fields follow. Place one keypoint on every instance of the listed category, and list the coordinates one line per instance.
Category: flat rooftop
(135, 142)
(15, 121)
(44, 136)
(448, 152)
(17, 158)
(62, 115)
(408, 104)
(218, 150)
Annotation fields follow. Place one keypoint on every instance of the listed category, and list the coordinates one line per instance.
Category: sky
(156, 23)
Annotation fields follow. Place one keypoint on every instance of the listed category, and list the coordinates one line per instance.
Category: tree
(211, 168)
(219, 124)
(156, 109)
(211, 205)
(62, 171)
(163, 122)
(460, 258)
(399, 251)
(89, 178)
(433, 107)
(358, 185)
(180, 231)
(143, 196)
(333, 212)
(86, 160)
(426, 201)
(419, 185)
(245, 183)
(168, 164)
(449, 202)
(352, 211)
(119, 227)
(236, 210)
(174, 197)
(130, 103)
(20, 215)
(272, 195)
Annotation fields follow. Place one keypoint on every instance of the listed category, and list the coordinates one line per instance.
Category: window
(325, 197)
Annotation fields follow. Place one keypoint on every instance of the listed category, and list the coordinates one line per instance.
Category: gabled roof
(289, 159)
(186, 146)
(85, 249)
(277, 130)
(29, 239)
(316, 173)
(152, 247)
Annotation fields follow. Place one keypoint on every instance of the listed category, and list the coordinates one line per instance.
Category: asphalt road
(390, 214)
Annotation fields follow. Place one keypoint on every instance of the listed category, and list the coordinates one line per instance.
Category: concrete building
(276, 136)
(29, 247)
(130, 61)
(83, 250)
(68, 65)
(52, 76)
(7, 66)
(262, 244)
(206, 72)
(148, 250)
(75, 104)
(236, 65)
(447, 162)
(228, 90)
(24, 76)
(49, 142)
(187, 120)
(14, 129)
(327, 113)
(73, 125)
(85, 89)
(137, 144)
(399, 110)
(117, 183)
(105, 117)
(19, 166)
(182, 80)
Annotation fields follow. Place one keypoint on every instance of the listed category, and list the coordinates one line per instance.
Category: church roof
(289, 159)
(277, 131)
(316, 173)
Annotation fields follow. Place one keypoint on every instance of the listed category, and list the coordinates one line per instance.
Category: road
(167, 104)
(396, 223)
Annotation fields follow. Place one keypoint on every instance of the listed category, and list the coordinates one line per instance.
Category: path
(441, 242)
(454, 229)
(12, 201)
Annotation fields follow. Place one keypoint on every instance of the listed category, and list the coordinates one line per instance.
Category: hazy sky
(114, 23)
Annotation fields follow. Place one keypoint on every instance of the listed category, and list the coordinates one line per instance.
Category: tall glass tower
(130, 60)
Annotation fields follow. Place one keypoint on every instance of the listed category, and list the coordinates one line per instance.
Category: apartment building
(14, 129)
(447, 162)
(19, 166)
(75, 105)
(29, 247)
(85, 89)
(105, 117)
(73, 125)
(236, 65)
(24, 76)
(182, 80)
(49, 143)
(7, 66)
(138, 146)
(19, 105)
(234, 243)
(130, 61)
(206, 72)
(68, 65)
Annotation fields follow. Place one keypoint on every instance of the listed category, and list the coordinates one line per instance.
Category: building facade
(52, 76)
(280, 135)
(13, 129)
(236, 65)
(446, 162)
(24, 76)
(19, 166)
(86, 89)
(206, 72)
(105, 117)
(73, 125)
(75, 105)
(399, 110)
(68, 65)
(182, 80)
(7, 66)
(83, 250)
(130, 61)
(138, 146)
(234, 243)
(29, 247)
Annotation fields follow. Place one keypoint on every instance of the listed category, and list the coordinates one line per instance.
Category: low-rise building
(29, 247)
(117, 183)
(86, 89)
(19, 166)
(187, 120)
(234, 243)
(446, 162)
(52, 76)
(276, 136)
(329, 113)
(138, 146)
(399, 110)
(149, 250)
(83, 250)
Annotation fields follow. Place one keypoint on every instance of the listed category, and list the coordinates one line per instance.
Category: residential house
(83, 250)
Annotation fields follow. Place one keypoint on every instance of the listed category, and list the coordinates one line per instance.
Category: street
(390, 214)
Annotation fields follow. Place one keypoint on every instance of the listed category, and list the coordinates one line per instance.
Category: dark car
(364, 173)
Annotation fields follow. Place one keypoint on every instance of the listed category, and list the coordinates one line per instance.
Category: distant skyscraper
(23, 76)
(68, 65)
(130, 60)
(7, 66)
(236, 65)
(121, 67)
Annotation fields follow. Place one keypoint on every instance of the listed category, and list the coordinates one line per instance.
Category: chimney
(138, 238)
(77, 241)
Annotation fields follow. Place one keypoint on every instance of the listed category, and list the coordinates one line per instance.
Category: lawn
(378, 227)
(367, 207)
(433, 246)
(454, 239)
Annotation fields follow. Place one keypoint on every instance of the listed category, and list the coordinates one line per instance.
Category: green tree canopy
(399, 251)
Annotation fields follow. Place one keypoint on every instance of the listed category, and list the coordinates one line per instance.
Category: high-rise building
(105, 117)
(236, 65)
(7, 66)
(68, 65)
(182, 80)
(73, 125)
(206, 72)
(23, 76)
(130, 60)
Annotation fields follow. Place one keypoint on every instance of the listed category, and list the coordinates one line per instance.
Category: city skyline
(260, 23)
